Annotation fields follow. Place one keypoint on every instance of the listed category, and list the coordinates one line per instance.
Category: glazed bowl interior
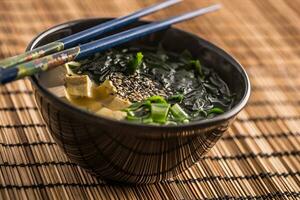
(209, 55)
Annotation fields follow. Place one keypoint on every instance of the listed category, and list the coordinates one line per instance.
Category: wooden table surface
(259, 157)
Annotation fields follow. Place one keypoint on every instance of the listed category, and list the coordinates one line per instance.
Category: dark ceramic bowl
(126, 152)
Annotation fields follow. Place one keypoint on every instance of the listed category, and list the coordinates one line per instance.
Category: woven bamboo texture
(258, 158)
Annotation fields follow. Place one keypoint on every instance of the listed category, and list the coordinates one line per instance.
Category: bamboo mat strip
(259, 156)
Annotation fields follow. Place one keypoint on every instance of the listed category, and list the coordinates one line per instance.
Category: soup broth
(146, 85)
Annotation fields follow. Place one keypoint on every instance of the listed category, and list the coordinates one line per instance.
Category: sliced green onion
(185, 121)
(176, 98)
(148, 120)
(134, 106)
(137, 105)
(130, 113)
(147, 104)
(135, 63)
(178, 113)
(133, 118)
(171, 123)
(159, 112)
(198, 67)
(157, 99)
(215, 110)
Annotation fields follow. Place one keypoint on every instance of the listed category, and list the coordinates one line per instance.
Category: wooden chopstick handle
(38, 65)
(31, 55)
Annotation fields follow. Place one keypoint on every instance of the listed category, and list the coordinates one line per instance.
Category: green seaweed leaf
(135, 63)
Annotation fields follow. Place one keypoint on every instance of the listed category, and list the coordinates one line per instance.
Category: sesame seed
(136, 87)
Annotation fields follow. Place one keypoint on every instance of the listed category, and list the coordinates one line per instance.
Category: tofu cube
(104, 91)
(78, 86)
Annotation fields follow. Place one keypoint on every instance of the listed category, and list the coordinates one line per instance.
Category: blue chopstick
(125, 36)
(83, 36)
(111, 25)
(86, 50)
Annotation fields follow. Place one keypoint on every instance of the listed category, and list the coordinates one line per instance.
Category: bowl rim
(93, 117)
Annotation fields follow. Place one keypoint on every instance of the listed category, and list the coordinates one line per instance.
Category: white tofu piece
(104, 91)
(78, 86)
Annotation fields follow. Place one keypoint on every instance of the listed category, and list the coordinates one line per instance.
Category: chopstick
(88, 49)
(84, 36)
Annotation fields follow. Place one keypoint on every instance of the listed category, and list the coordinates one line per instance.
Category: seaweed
(198, 92)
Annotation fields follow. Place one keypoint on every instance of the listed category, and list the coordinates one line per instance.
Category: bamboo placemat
(259, 157)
